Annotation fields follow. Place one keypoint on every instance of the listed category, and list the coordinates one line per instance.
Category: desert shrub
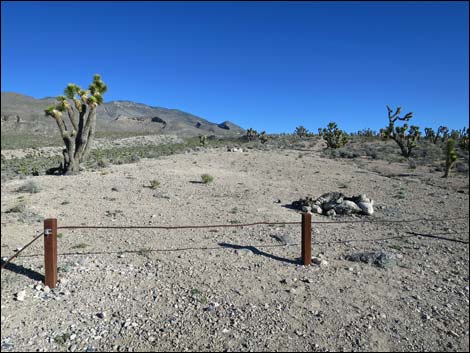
(368, 133)
(412, 163)
(206, 178)
(134, 158)
(31, 187)
(333, 136)
(80, 246)
(102, 162)
(19, 208)
(154, 184)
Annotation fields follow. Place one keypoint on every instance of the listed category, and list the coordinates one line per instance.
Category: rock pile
(333, 203)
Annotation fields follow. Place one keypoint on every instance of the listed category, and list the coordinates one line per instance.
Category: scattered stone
(101, 315)
(21, 295)
(212, 307)
(243, 252)
(319, 261)
(317, 209)
(380, 259)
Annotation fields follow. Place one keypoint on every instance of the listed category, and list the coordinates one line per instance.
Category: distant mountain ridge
(20, 112)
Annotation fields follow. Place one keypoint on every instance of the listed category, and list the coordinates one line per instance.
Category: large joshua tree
(80, 106)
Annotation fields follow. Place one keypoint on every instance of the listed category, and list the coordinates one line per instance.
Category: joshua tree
(444, 130)
(392, 118)
(333, 136)
(301, 131)
(251, 134)
(203, 140)
(78, 135)
(263, 137)
(406, 142)
(463, 141)
(429, 134)
(451, 156)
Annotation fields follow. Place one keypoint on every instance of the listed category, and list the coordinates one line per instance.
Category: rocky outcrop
(333, 203)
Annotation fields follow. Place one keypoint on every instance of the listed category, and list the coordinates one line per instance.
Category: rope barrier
(378, 221)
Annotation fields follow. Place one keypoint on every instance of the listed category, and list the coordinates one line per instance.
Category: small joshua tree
(263, 137)
(79, 133)
(203, 140)
(451, 156)
(443, 133)
(333, 136)
(463, 140)
(429, 134)
(301, 131)
(251, 134)
(406, 142)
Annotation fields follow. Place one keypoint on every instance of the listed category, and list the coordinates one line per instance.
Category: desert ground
(237, 289)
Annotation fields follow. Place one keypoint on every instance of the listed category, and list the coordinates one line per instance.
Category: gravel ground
(236, 289)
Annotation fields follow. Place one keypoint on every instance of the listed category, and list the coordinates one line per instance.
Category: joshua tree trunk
(82, 115)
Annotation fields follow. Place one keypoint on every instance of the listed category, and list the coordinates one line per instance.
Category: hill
(24, 114)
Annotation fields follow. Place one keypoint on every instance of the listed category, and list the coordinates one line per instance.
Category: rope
(20, 251)
(264, 223)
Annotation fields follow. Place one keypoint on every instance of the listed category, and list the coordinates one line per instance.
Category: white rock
(367, 207)
(21, 295)
(317, 209)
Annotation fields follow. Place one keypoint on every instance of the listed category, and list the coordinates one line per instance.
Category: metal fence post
(50, 252)
(306, 238)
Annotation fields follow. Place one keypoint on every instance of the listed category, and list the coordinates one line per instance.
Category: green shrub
(80, 246)
(206, 178)
(154, 184)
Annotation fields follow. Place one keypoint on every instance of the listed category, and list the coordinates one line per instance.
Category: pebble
(20, 296)
(101, 315)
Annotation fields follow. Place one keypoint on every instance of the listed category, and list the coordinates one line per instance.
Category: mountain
(21, 113)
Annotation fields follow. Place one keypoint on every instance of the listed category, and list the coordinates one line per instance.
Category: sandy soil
(236, 289)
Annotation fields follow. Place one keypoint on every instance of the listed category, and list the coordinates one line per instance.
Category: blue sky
(267, 65)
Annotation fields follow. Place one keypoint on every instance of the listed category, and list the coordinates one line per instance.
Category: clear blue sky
(270, 66)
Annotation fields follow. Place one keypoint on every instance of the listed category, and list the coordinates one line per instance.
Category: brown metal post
(50, 252)
(306, 238)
